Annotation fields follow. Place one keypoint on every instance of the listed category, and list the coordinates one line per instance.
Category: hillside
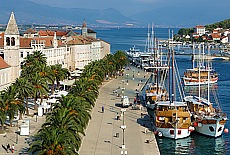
(27, 12)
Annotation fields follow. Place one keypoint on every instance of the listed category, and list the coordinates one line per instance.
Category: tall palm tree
(120, 59)
(53, 141)
(86, 89)
(40, 88)
(78, 106)
(24, 89)
(59, 73)
(3, 108)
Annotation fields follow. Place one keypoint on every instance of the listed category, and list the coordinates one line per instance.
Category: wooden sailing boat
(207, 120)
(172, 118)
(192, 75)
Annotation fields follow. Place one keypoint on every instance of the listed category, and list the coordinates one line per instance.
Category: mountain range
(27, 12)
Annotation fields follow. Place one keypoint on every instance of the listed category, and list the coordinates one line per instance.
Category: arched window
(8, 41)
(12, 41)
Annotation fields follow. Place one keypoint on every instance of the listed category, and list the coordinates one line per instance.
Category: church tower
(12, 46)
(84, 29)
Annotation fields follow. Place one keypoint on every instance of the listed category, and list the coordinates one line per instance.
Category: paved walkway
(21, 143)
(100, 136)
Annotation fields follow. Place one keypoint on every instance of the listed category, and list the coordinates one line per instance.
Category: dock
(211, 57)
(104, 134)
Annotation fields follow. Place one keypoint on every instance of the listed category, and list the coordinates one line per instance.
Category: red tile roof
(2, 39)
(26, 42)
(3, 64)
(51, 33)
(199, 26)
(80, 40)
(30, 31)
(216, 35)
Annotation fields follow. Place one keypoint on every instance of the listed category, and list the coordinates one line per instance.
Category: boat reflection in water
(193, 145)
(175, 147)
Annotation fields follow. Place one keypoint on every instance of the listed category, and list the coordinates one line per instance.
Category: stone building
(70, 50)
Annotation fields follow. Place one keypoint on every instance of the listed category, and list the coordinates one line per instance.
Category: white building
(200, 30)
(70, 51)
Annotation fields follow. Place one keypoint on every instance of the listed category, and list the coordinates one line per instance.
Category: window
(8, 41)
(12, 41)
(21, 54)
(211, 128)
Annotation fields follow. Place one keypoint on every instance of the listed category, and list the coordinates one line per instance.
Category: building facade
(71, 51)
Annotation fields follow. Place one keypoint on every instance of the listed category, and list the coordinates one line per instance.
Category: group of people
(8, 148)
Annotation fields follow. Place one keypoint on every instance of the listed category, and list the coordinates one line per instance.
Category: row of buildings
(217, 35)
(70, 49)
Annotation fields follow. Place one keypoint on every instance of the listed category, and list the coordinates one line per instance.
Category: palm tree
(24, 90)
(78, 106)
(59, 73)
(3, 108)
(40, 88)
(120, 60)
(65, 120)
(53, 141)
(13, 104)
(86, 89)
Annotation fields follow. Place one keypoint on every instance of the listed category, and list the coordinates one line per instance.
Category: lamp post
(17, 133)
(133, 74)
(123, 128)
(127, 79)
(123, 88)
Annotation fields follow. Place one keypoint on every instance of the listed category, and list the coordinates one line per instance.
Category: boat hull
(174, 133)
(189, 82)
(211, 128)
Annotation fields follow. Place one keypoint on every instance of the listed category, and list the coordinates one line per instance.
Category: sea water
(125, 38)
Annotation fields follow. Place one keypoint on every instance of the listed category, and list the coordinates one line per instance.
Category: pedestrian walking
(12, 148)
(118, 116)
(7, 147)
(102, 109)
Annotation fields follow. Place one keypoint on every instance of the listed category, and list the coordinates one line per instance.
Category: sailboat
(207, 119)
(192, 75)
(172, 118)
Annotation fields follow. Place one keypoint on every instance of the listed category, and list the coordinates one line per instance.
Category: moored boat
(173, 119)
(191, 77)
(207, 120)
(199, 75)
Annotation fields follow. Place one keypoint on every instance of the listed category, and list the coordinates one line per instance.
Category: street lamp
(133, 74)
(123, 88)
(127, 79)
(123, 128)
(17, 133)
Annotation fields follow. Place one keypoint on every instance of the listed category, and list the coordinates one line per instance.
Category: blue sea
(125, 38)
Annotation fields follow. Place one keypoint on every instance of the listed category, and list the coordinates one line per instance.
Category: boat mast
(148, 40)
(199, 69)
(193, 53)
(173, 91)
(208, 75)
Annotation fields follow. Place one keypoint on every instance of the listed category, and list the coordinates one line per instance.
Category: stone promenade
(104, 135)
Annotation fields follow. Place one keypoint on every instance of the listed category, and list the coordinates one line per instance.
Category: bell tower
(12, 46)
(84, 29)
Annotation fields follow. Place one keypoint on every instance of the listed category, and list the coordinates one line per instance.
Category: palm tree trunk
(52, 89)
(2, 128)
(35, 104)
(27, 108)
(20, 115)
(11, 122)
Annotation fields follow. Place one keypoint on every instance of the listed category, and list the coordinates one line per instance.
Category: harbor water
(125, 38)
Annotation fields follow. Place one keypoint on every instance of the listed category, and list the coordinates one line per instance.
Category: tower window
(12, 41)
(21, 54)
(8, 41)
